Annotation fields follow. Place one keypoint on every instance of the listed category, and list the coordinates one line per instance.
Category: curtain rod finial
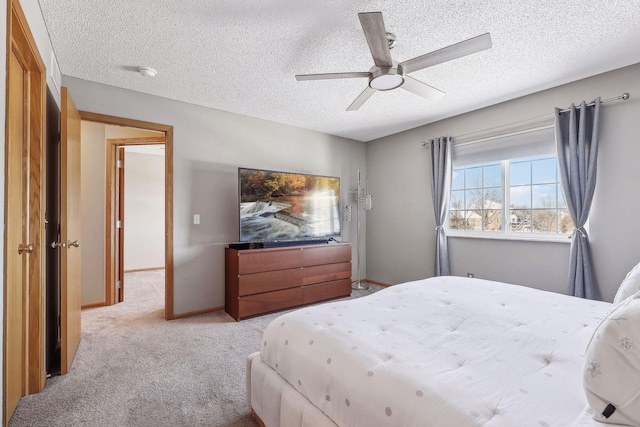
(625, 96)
(424, 143)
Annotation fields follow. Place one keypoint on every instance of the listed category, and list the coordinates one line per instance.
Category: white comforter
(443, 351)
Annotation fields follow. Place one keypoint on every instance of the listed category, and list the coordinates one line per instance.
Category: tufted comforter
(445, 351)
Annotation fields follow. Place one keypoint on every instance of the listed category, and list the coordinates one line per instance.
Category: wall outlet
(196, 219)
(471, 275)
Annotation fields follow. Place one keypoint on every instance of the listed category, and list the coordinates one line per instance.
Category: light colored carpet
(133, 368)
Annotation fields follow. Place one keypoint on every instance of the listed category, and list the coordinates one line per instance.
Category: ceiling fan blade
(421, 89)
(361, 99)
(373, 27)
(458, 50)
(301, 77)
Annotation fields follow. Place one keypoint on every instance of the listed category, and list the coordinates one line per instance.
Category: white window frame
(506, 233)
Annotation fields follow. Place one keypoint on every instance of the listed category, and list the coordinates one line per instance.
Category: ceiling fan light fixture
(386, 79)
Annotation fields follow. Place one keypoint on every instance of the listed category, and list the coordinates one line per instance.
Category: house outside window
(508, 187)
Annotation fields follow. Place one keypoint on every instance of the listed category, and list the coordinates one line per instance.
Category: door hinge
(119, 164)
(118, 224)
(118, 284)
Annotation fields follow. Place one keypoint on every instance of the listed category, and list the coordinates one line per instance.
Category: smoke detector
(147, 72)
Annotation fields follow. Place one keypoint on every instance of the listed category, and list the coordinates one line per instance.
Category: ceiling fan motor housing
(386, 78)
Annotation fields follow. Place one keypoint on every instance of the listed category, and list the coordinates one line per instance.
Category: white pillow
(629, 286)
(612, 365)
(634, 271)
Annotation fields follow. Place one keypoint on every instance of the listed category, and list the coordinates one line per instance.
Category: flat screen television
(282, 206)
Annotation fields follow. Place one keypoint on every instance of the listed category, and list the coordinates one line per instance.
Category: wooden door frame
(112, 211)
(20, 40)
(119, 152)
(168, 203)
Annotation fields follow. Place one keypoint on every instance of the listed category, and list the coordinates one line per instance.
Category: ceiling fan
(388, 74)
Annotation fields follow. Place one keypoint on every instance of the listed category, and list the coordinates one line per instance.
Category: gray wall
(400, 231)
(209, 146)
(143, 211)
(92, 206)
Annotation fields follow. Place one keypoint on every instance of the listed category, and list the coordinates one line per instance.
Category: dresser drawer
(326, 273)
(328, 290)
(252, 305)
(259, 260)
(326, 254)
(268, 281)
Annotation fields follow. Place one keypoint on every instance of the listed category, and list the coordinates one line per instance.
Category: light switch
(196, 219)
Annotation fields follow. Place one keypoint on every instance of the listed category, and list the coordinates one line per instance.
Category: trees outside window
(516, 196)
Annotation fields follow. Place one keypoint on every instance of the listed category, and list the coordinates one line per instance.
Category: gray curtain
(440, 161)
(577, 145)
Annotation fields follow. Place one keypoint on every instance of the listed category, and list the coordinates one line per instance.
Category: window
(508, 186)
(536, 203)
(528, 186)
(477, 198)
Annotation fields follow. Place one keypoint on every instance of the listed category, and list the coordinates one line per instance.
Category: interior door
(70, 262)
(120, 224)
(23, 361)
(16, 236)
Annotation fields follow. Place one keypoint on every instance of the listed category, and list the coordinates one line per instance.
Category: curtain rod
(624, 97)
(535, 121)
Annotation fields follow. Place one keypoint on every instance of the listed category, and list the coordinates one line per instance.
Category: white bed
(445, 351)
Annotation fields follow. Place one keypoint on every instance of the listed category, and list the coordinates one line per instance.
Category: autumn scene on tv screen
(287, 206)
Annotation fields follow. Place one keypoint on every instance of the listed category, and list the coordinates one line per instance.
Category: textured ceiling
(242, 55)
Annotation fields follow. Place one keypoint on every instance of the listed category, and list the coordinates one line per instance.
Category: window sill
(565, 238)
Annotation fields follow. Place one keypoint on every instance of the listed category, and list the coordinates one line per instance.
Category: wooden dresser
(259, 281)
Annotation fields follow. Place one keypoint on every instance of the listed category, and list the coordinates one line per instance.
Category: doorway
(52, 221)
(23, 347)
(25, 311)
(135, 186)
(113, 261)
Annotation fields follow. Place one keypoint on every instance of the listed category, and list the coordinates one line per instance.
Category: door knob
(75, 243)
(28, 248)
(55, 245)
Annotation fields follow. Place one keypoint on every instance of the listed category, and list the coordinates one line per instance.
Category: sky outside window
(535, 200)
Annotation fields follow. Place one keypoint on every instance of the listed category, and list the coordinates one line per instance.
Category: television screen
(287, 206)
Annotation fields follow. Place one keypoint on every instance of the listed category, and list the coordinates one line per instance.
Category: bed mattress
(445, 351)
